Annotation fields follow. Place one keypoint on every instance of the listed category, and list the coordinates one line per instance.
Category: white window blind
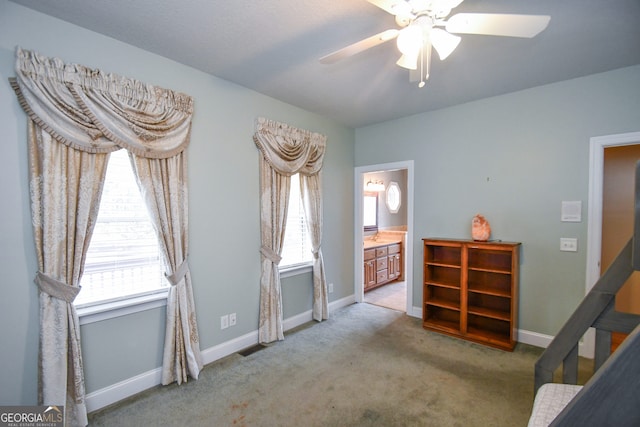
(297, 245)
(123, 259)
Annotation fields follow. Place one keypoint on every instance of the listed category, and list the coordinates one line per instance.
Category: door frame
(594, 222)
(358, 235)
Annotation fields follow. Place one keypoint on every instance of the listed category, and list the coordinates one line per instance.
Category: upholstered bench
(550, 401)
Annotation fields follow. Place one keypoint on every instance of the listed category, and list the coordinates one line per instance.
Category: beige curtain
(286, 151)
(164, 187)
(274, 200)
(311, 189)
(77, 116)
(66, 186)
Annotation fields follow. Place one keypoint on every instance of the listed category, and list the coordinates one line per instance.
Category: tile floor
(392, 295)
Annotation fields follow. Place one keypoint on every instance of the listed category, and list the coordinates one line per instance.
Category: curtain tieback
(270, 254)
(179, 274)
(56, 288)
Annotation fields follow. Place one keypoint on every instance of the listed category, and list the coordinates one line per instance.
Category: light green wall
(513, 158)
(223, 212)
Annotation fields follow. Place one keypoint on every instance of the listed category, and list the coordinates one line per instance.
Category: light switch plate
(568, 244)
(571, 211)
(224, 321)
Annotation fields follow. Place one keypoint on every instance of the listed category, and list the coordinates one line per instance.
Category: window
(370, 212)
(297, 245)
(123, 259)
(393, 197)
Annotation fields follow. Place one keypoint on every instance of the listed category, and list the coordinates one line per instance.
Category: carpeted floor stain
(239, 420)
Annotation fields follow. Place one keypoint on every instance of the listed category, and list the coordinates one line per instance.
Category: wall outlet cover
(568, 244)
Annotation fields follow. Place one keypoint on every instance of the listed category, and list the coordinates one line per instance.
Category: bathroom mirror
(370, 211)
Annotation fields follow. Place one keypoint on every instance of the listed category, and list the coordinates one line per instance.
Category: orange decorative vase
(480, 228)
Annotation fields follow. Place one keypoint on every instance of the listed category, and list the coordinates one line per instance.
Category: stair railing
(597, 310)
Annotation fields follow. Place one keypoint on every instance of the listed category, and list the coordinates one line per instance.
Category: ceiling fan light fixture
(443, 42)
(409, 43)
(409, 40)
(409, 62)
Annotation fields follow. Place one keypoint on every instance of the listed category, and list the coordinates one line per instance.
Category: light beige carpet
(365, 366)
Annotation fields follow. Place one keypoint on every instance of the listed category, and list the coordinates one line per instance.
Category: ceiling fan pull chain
(421, 84)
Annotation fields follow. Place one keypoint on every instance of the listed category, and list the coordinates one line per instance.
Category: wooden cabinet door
(369, 273)
(393, 266)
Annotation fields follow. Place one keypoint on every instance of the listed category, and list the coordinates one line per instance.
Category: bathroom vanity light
(374, 186)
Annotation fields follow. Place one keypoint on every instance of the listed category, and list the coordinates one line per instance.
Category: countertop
(369, 243)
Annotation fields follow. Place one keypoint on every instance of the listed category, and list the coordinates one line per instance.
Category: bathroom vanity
(382, 262)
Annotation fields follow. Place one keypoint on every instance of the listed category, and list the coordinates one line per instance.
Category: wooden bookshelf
(470, 290)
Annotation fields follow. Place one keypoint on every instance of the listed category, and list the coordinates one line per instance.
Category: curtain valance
(97, 112)
(290, 150)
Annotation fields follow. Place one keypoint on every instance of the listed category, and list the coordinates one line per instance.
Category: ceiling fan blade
(449, 3)
(495, 24)
(387, 5)
(360, 46)
(454, 3)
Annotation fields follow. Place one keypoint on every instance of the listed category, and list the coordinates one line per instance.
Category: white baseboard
(118, 391)
(114, 393)
(415, 312)
(526, 337)
(542, 340)
(534, 338)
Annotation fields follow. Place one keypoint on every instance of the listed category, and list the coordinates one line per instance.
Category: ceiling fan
(423, 26)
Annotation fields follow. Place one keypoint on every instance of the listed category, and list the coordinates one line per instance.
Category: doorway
(609, 172)
(618, 200)
(392, 219)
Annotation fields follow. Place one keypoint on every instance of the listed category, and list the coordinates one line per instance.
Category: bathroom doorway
(390, 227)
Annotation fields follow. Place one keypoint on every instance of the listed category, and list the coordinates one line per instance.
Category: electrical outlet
(330, 287)
(232, 319)
(224, 321)
(568, 244)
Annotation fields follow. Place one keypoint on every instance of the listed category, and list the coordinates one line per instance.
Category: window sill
(110, 310)
(295, 270)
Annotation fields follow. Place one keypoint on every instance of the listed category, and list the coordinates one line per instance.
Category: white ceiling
(273, 47)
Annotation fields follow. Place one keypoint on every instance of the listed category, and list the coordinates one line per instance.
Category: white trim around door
(594, 224)
(359, 230)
